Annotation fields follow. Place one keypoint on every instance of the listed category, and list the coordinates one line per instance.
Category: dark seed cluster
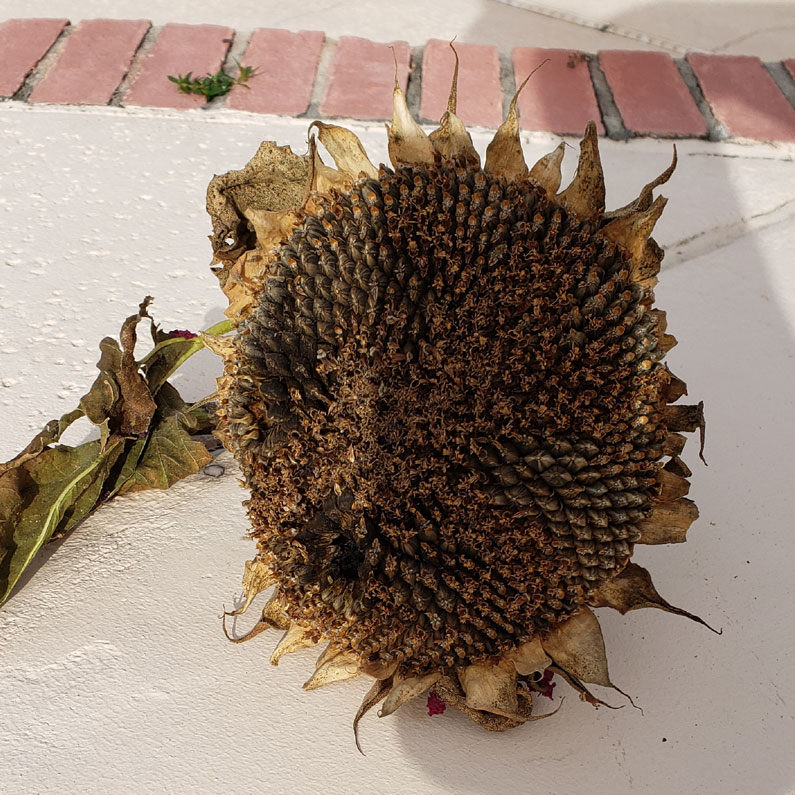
(447, 404)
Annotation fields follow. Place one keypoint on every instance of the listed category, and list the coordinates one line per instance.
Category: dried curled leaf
(145, 442)
(170, 453)
(45, 497)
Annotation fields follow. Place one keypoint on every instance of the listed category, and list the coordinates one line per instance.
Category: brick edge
(320, 74)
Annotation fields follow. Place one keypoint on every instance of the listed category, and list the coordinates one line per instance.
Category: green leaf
(145, 442)
(170, 453)
(46, 496)
(211, 86)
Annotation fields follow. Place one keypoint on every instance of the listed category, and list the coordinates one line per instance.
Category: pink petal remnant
(435, 705)
(549, 684)
(184, 333)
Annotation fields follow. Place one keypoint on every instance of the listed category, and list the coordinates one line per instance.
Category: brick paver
(650, 93)
(743, 97)
(286, 65)
(362, 76)
(93, 62)
(103, 58)
(479, 88)
(23, 43)
(559, 97)
(178, 49)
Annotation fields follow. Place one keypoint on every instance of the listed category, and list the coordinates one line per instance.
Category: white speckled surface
(114, 674)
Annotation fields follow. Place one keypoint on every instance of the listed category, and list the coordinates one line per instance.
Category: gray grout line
(234, 56)
(321, 79)
(507, 81)
(135, 65)
(783, 79)
(715, 130)
(611, 117)
(43, 66)
(414, 85)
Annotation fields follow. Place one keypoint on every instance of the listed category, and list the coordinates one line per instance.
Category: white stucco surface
(114, 673)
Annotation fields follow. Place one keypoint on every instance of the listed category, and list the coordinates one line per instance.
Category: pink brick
(790, 67)
(650, 93)
(179, 49)
(93, 62)
(362, 77)
(286, 65)
(559, 97)
(479, 88)
(23, 43)
(743, 97)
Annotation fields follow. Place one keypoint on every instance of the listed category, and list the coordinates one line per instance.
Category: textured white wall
(114, 674)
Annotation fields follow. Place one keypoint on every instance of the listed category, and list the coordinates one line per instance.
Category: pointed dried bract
(346, 150)
(449, 689)
(633, 589)
(295, 639)
(632, 232)
(578, 647)
(585, 196)
(257, 578)
(405, 690)
(646, 197)
(504, 156)
(671, 486)
(274, 613)
(584, 693)
(491, 688)
(374, 695)
(675, 388)
(338, 667)
(324, 179)
(273, 617)
(529, 658)
(668, 523)
(452, 139)
(408, 143)
(546, 172)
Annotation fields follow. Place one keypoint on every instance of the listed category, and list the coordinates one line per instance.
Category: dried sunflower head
(448, 400)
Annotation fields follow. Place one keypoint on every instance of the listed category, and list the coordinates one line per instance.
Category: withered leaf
(50, 434)
(170, 453)
(45, 497)
(119, 401)
(144, 443)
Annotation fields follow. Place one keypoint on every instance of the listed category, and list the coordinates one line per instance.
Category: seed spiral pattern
(448, 407)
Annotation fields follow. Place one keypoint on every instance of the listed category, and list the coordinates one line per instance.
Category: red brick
(650, 93)
(559, 97)
(479, 88)
(23, 43)
(179, 49)
(93, 62)
(743, 97)
(362, 77)
(790, 67)
(286, 65)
